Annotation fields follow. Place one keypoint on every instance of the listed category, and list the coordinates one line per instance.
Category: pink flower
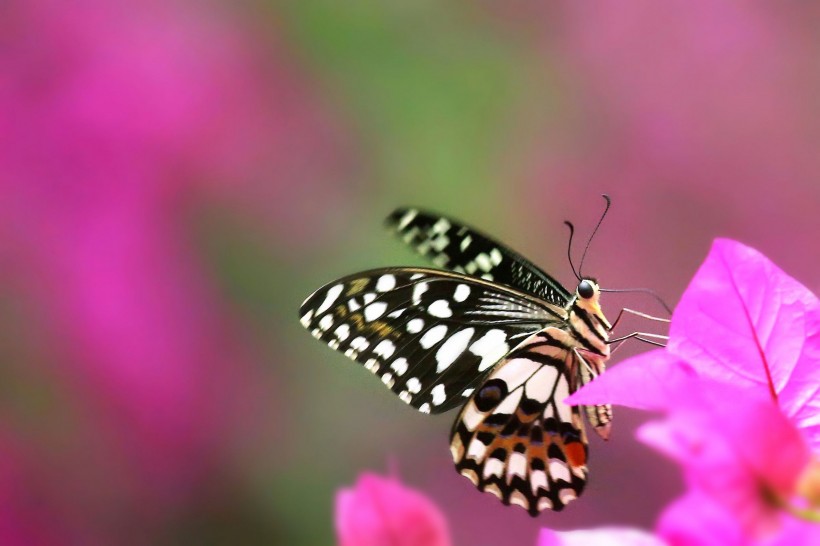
(382, 512)
(742, 321)
(118, 121)
(736, 447)
(740, 387)
(603, 536)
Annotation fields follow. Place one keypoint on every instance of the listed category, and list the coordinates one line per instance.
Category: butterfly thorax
(588, 326)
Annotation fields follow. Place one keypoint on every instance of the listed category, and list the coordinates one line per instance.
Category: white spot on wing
(493, 467)
(493, 488)
(414, 326)
(495, 256)
(330, 297)
(514, 372)
(413, 385)
(407, 218)
(510, 403)
(538, 479)
(438, 394)
(540, 385)
(418, 290)
(342, 332)
(567, 495)
(439, 243)
(472, 417)
(517, 498)
(466, 242)
(559, 470)
(326, 322)
(399, 366)
(385, 283)
(477, 450)
(424, 408)
(384, 349)
(461, 293)
(440, 308)
(367, 298)
(561, 392)
(491, 347)
(483, 262)
(441, 226)
(371, 365)
(305, 320)
(453, 348)
(374, 310)
(359, 344)
(433, 336)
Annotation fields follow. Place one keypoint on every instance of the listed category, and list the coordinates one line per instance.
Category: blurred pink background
(175, 177)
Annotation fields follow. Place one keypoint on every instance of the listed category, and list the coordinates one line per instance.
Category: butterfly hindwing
(516, 438)
(460, 248)
(431, 336)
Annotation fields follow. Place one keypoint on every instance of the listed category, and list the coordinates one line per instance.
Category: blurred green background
(178, 177)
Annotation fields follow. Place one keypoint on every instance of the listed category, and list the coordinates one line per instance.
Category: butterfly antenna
(584, 255)
(569, 248)
(644, 291)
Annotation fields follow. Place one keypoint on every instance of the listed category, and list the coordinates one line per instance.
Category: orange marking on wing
(575, 454)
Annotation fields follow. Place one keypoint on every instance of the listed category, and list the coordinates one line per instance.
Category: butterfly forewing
(431, 336)
(458, 247)
(497, 336)
(516, 438)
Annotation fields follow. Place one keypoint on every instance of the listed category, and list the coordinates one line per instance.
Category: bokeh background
(175, 177)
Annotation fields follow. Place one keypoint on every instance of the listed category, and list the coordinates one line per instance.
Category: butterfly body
(495, 336)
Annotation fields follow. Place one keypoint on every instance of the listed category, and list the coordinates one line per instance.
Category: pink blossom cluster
(738, 386)
(118, 122)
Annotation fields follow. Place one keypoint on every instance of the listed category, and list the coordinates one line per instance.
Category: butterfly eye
(585, 289)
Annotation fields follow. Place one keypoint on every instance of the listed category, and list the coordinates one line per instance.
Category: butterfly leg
(641, 336)
(636, 313)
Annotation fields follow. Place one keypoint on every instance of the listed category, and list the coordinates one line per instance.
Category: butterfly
(489, 333)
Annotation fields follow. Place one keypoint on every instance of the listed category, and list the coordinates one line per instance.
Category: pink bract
(742, 320)
(736, 447)
(739, 384)
(602, 536)
(381, 511)
(118, 121)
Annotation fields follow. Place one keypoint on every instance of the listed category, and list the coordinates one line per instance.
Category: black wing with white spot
(516, 438)
(431, 336)
(455, 246)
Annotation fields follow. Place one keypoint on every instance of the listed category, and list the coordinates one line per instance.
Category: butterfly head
(587, 297)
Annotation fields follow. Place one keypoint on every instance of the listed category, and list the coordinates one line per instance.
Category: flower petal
(745, 321)
(380, 511)
(603, 536)
(697, 520)
(736, 447)
(644, 382)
